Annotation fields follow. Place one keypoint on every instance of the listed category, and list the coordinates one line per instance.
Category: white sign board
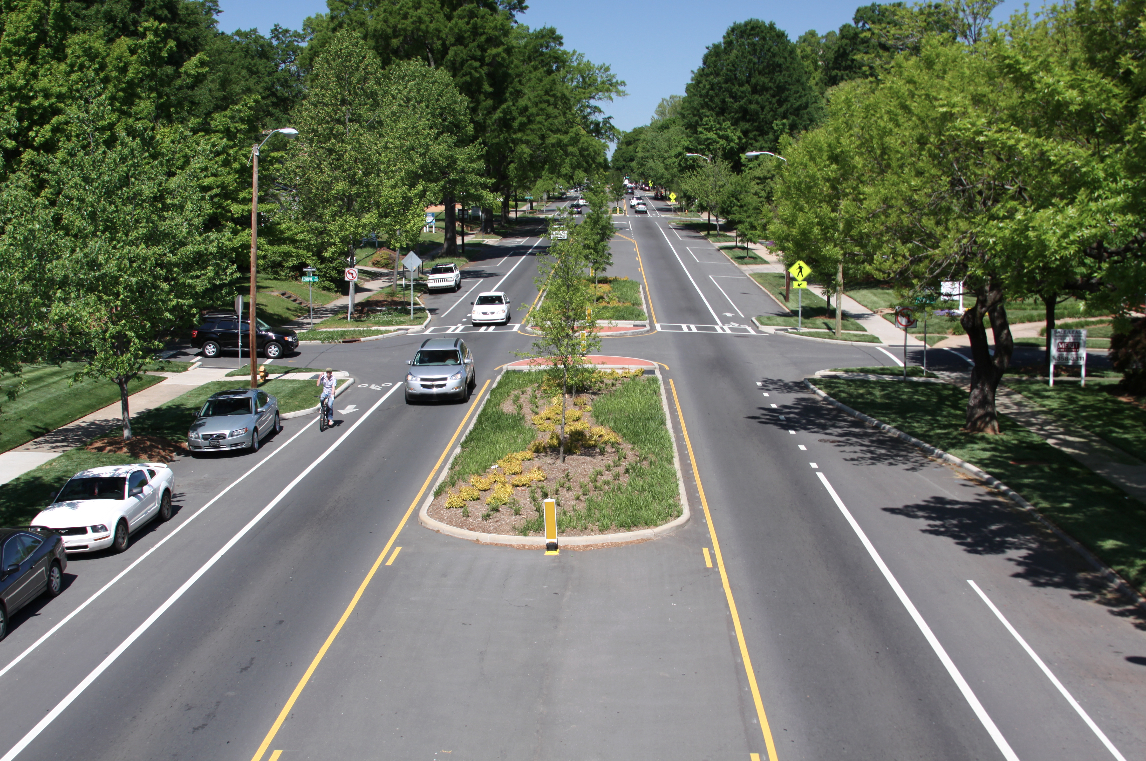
(952, 289)
(429, 217)
(411, 262)
(351, 274)
(1068, 347)
(560, 234)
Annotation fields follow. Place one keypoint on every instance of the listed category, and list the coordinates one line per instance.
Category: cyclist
(327, 382)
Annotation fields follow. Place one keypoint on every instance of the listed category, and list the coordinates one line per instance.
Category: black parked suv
(220, 332)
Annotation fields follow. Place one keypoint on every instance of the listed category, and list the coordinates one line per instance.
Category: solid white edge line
(139, 631)
(894, 358)
(44, 637)
(968, 360)
(689, 275)
(713, 279)
(1054, 680)
(511, 269)
(463, 298)
(945, 659)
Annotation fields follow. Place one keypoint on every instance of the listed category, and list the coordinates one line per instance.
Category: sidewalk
(20, 460)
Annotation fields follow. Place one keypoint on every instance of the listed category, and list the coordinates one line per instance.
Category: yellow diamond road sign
(672, 196)
(800, 271)
(799, 284)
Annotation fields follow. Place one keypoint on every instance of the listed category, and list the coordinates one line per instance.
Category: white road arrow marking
(348, 409)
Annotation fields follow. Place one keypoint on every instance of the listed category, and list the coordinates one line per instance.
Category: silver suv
(442, 368)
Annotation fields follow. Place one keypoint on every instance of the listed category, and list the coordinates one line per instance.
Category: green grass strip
(1096, 513)
(912, 371)
(1094, 408)
(813, 318)
(864, 338)
(337, 336)
(49, 400)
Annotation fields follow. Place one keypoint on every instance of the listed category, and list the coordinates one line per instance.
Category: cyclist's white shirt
(328, 384)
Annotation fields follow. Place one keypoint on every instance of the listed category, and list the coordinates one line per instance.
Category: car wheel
(55, 580)
(278, 424)
(273, 350)
(255, 439)
(210, 349)
(406, 394)
(120, 540)
(3, 622)
(465, 394)
(165, 507)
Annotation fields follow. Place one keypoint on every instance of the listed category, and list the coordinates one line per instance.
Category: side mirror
(14, 568)
(409, 361)
(135, 491)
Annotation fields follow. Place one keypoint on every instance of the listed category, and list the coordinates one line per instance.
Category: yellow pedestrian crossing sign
(672, 197)
(800, 271)
(799, 283)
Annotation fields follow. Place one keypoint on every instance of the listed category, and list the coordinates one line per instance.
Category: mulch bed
(150, 448)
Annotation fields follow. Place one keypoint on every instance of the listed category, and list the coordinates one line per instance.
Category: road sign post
(1068, 347)
(905, 318)
(351, 275)
(799, 272)
(925, 301)
(411, 263)
(239, 325)
(309, 278)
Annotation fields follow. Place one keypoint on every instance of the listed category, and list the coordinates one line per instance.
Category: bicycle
(323, 413)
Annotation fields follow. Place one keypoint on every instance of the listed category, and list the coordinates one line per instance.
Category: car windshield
(442, 269)
(93, 487)
(258, 323)
(489, 300)
(227, 405)
(437, 357)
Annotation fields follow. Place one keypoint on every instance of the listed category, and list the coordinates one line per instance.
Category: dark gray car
(236, 419)
(443, 368)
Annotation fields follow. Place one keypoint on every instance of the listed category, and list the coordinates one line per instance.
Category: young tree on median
(562, 318)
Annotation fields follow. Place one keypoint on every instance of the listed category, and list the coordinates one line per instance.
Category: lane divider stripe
(289, 706)
(123, 646)
(756, 699)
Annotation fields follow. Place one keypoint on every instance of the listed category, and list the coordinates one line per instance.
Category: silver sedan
(236, 419)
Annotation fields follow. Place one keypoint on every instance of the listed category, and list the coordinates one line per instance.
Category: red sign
(351, 273)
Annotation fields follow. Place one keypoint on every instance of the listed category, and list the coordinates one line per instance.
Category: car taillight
(194, 333)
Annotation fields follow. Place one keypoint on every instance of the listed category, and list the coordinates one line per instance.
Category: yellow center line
(361, 589)
(641, 264)
(396, 551)
(707, 558)
(764, 727)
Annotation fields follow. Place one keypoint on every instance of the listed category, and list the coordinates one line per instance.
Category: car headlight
(193, 435)
(456, 376)
(410, 377)
(99, 528)
(237, 432)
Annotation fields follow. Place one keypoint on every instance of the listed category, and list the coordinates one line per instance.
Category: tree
(754, 81)
(562, 318)
(136, 256)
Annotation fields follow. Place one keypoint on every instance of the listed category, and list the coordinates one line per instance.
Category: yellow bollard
(550, 509)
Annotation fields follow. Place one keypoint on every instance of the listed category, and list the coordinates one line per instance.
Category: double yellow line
(641, 264)
(361, 589)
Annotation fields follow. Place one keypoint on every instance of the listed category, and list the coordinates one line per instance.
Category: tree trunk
(840, 300)
(486, 220)
(505, 207)
(987, 370)
(449, 229)
(125, 409)
(561, 434)
(1051, 302)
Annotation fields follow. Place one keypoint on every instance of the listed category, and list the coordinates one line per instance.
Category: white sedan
(492, 306)
(100, 508)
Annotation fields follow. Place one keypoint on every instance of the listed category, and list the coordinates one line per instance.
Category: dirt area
(149, 448)
(514, 489)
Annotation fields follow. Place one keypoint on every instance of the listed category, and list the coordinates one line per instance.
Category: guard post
(550, 509)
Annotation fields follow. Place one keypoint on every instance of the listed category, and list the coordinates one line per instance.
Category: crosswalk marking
(731, 328)
(473, 328)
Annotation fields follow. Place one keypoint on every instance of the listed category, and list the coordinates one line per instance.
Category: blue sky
(653, 47)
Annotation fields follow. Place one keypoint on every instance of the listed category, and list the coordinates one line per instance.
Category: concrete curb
(396, 332)
(538, 542)
(314, 409)
(760, 285)
(827, 340)
(986, 478)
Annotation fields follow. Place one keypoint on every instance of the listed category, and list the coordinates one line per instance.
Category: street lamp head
(700, 156)
(288, 131)
(754, 154)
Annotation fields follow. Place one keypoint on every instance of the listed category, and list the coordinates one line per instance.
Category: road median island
(1096, 518)
(620, 483)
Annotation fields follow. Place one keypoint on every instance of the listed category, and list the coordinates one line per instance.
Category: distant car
(235, 419)
(442, 368)
(32, 563)
(219, 332)
(574, 209)
(641, 208)
(102, 507)
(444, 276)
(491, 306)
(632, 202)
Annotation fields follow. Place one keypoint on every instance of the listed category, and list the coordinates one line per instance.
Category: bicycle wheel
(322, 416)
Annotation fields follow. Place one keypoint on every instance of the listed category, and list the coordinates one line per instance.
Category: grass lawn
(27, 494)
(1087, 507)
(49, 400)
(912, 371)
(742, 255)
(335, 336)
(301, 290)
(632, 409)
(172, 419)
(814, 317)
(618, 298)
(274, 370)
(389, 317)
(1096, 408)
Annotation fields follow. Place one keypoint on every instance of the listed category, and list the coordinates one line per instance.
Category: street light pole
(252, 346)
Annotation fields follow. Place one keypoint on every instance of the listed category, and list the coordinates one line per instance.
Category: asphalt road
(277, 584)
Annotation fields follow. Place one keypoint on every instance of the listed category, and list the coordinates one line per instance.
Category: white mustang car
(102, 507)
